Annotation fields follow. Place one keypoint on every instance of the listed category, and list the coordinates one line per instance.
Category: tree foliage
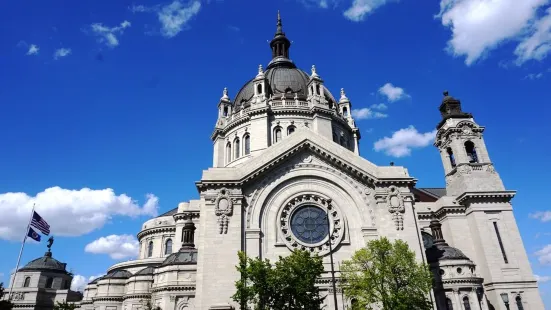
(287, 284)
(4, 304)
(386, 274)
(64, 305)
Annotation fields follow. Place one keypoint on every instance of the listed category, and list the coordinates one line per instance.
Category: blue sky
(107, 106)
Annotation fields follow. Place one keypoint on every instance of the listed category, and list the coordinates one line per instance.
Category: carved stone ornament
(223, 208)
(395, 203)
(336, 224)
(490, 168)
(464, 170)
(18, 296)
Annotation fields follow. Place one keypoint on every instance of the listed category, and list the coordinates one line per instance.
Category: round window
(309, 224)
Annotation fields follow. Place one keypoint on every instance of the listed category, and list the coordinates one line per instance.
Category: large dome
(282, 75)
(45, 263)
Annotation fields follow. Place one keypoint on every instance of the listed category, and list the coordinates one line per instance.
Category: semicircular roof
(45, 263)
(118, 274)
(186, 256)
(145, 272)
(283, 78)
(440, 252)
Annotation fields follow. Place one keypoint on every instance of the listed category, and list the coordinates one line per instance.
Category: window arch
(27, 282)
(471, 152)
(318, 92)
(452, 158)
(518, 300)
(49, 282)
(466, 303)
(449, 305)
(277, 134)
(168, 246)
(228, 153)
(259, 89)
(150, 249)
(290, 129)
(247, 144)
(345, 111)
(236, 148)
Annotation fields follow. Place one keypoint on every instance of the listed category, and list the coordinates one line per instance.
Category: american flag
(39, 223)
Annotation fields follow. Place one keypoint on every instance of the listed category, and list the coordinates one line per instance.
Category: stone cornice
(186, 214)
(440, 213)
(154, 230)
(137, 296)
(174, 288)
(107, 298)
(463, 281)
(493, 196)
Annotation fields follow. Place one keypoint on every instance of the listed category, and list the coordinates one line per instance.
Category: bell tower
(460, 140)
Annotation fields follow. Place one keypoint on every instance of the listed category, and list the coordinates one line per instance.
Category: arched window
(27, 282)
(49, 282)
(259, 89)
(452, 158)
(150, 249)
(168, 246)
(471, 152)
(225, 111)
(318, 89)
(277, 134)
(247, 142)
(290, 129)
(449, 305)
(519, 303)
(312, 90)
(344, 111)
(466, 303)
(236, 148)
(228, 153)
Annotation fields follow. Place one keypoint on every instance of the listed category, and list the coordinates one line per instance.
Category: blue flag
(33, 235)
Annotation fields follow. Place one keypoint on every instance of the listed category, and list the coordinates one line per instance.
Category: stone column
(473, 296)
(457, 298)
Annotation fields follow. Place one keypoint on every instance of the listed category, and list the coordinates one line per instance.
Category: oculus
(310, 224)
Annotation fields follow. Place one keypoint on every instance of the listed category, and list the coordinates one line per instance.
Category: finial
(446, 93)
(343, 96)
(260, 70)
(279, 25)
(50, 242)
(225, 94)
(314, 73)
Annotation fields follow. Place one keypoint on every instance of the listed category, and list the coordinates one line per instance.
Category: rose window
(309, 224)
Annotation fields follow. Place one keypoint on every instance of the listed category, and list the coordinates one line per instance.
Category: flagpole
(21, 252)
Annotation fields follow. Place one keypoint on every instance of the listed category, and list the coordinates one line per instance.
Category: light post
(331, 258)
(505, 298)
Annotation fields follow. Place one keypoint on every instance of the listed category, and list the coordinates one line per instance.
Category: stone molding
(171, 288)
(486, 197)
(152, 231)
(464, 129)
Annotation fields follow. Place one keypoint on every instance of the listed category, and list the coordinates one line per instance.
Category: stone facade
(285, 144)
(41, 283)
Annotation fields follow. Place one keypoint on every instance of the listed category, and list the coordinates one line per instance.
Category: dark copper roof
(145, 272)
(118, 274)
(440, 252)
(186, 256)
(45, 263)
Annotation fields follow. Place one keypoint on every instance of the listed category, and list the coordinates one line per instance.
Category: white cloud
(80, 282)
(403, 141)
(538, 44)
(393, 93)
(33, 50)
(140, 8)
(324, 4)
(542, 279)
(360, 9)
(175, 16)
(380, 106)
(479, 26)
(544, 255)
(533, 76)
(87, 210)
(107, 35)
(366, 113)
(116, 246)
(62, 52)
(544, 216)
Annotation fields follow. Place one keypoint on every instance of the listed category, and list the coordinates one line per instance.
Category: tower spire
(280, 44)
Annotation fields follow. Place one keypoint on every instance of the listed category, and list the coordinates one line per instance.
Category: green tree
(289, 284)
(4, 304)
(64, 305)
(388, 275)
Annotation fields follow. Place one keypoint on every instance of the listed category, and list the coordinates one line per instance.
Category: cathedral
(287, 174)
